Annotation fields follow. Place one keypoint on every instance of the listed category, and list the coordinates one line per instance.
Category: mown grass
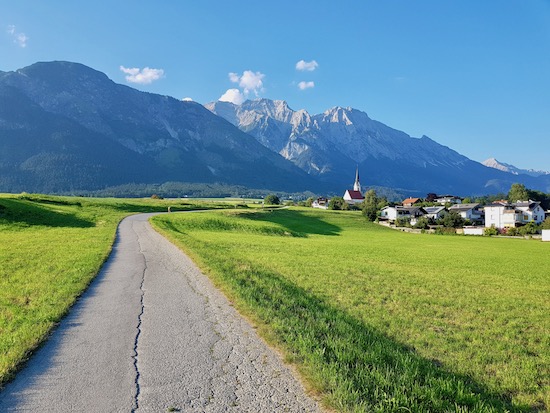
(50, 249)
(384, 321)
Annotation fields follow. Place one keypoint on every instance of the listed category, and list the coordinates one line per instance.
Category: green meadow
(50, 249)
(382, 321)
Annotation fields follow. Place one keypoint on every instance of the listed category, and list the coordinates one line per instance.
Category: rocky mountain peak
(276, 109)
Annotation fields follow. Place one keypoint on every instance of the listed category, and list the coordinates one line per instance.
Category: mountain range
(330, 145)
(66, 127)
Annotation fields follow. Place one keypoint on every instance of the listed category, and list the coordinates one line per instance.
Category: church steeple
(357, 184)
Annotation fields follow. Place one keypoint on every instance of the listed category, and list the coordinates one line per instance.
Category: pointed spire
(357, 184)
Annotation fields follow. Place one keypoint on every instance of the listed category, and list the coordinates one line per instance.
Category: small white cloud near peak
(143, 76)
(187, 99)
(304, 66)
(19, 38)
(232, 95)
(306, 85)
(249, 81)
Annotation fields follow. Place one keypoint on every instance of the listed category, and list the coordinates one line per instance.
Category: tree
(452, 220)
(272, 199)
(518, 192)
(370, 205)
(431, 197)
(546, 224)
(337, 203)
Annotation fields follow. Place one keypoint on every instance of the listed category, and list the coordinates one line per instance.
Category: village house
(409, 202)
(435, 212)
(471, 212)
(393, 213)
(321, 203)
(448, 199)
(354, 196)
(502, 214)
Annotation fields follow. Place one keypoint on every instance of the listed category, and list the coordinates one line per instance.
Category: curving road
(152, 334)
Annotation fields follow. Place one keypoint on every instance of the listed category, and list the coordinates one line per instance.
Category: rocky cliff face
(329, 145)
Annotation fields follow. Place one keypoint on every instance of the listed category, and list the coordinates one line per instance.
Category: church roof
(355, 194)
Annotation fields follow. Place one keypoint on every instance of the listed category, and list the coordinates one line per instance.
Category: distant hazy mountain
(64, 126)
(501, 166)
(330, 145)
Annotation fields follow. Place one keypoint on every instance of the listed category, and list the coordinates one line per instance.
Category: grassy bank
(379, 320)
(50, 249)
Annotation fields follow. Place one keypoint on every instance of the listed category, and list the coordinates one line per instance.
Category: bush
(491, 231)
(402, 222)
(512, 232)
(445, 231)
(529, 229)
(422, 223)
(546, 224)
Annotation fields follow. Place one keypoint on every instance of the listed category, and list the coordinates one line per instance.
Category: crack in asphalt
(135, 407)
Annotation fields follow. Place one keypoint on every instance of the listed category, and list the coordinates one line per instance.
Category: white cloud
(187, 99)
(143, 76)
(306, 85)
(18, 37)
(304, 66)
(249, 81)
(233, 95)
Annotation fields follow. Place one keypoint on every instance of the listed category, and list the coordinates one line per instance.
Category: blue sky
(472, 75)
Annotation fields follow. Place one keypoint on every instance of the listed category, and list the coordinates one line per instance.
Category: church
(354, 196)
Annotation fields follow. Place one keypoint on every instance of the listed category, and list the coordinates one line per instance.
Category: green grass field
(382, 321)
(50, 249)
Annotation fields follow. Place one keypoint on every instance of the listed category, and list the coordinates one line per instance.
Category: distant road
(152, 334)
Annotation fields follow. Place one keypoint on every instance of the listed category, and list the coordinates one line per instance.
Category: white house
(448, 199)
(435, 212)
(392, 213)
(321, 203)
(503, 214)
(532, 211)
(468, 211)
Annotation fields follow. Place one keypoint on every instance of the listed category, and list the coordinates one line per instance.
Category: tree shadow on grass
(30, 213)
(296, 222)
(356, 366)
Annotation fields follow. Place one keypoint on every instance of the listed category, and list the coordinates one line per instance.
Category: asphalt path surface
(152, 334)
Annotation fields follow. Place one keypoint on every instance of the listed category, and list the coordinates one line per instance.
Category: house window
(526, 217)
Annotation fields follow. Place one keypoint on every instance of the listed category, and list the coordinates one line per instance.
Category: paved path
(152, 334)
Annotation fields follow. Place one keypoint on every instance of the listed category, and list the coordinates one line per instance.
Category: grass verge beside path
(383, 321)
(50, 250)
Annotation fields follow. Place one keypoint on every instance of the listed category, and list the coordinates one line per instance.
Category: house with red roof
(409, 202)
